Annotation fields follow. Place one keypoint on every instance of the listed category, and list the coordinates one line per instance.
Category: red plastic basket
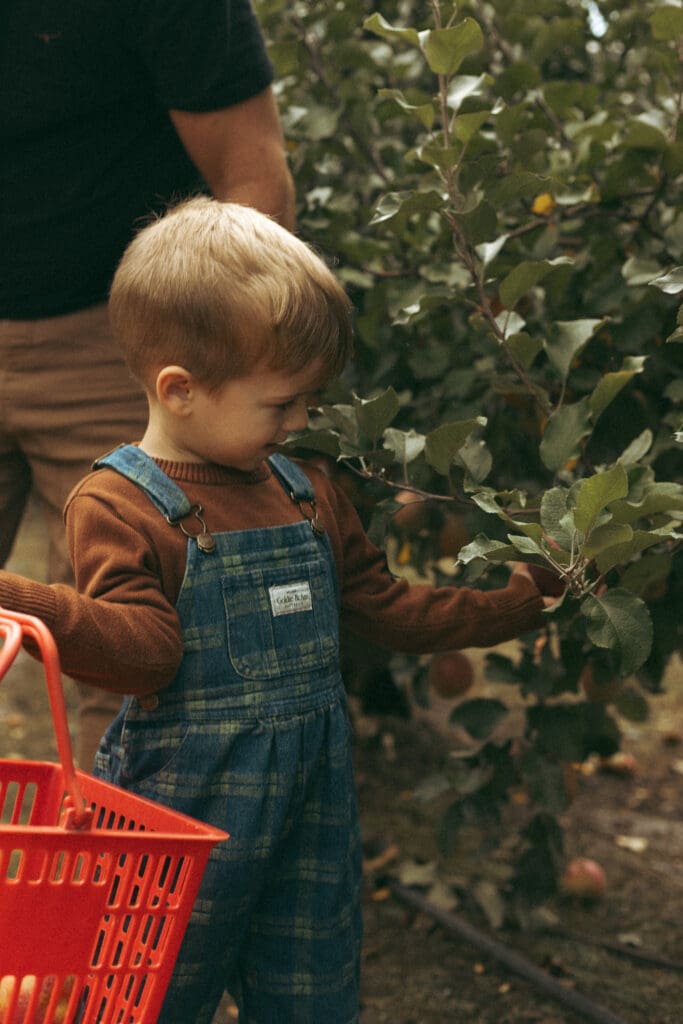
(96, 884)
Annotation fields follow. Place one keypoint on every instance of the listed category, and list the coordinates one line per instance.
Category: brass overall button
(149, 702)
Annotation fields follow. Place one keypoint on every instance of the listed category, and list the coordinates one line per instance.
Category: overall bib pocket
(280, 620)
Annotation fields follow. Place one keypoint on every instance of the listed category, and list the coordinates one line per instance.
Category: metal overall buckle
(205, 541)
(313, 519)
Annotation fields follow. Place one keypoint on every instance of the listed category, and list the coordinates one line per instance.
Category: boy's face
(243, 422)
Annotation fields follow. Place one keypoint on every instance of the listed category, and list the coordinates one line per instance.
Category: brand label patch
(290, 597)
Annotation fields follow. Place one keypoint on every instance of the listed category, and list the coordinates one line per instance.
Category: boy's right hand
(549, 585)
(548, 582)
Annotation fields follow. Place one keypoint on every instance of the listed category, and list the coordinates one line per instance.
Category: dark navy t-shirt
(87, 149)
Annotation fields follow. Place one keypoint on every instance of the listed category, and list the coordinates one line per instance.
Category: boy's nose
(298, 417)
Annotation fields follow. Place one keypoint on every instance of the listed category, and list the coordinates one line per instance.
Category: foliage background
(498, 185)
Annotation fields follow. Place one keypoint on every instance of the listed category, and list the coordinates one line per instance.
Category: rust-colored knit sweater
(119, 629)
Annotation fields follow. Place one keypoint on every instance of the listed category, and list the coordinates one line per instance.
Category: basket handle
(14, 626)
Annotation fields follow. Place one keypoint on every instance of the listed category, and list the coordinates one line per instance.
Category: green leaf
(570, 339)
(524, 276)
(375, 414)
(389, 206)
(377, 24)
(489, 250)
(406, 445)
(489, 550)
(638, 271)
(563, 434)
(402, 205)
(609, 386)
(620, 622)
(667, 22)
(620, 554)
(642, 135)
(524, 348)
(476, 459)
(443, 443)
(606, 536)
(520, 185)
(637, 449)
(553, 512)
(343, 417)
(424, 111)
(467, 125)
(286, 56)
(509, 323)
(648, 573)
(532, 530)
(596, 493)
(464, 86)
(671, 283)
(480, 224)
(446, 48)
(479, 717)
(525, 545)
(658, 497)
(317, 441)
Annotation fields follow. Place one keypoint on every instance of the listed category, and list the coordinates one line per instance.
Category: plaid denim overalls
(252, 735)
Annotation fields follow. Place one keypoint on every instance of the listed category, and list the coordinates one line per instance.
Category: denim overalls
(252, 735)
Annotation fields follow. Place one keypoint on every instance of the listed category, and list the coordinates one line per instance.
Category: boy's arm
(420, 618)
(121, 633)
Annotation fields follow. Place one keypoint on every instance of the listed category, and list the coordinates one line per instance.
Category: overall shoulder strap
(292, 478)
(142, 470)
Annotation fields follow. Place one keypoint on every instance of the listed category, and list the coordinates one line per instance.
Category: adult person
(108, 111)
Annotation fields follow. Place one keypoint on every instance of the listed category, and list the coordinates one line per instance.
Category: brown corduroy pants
(66, 397)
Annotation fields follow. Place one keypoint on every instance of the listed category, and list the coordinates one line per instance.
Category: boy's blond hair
(221, 289)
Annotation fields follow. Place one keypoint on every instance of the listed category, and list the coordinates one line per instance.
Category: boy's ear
(175, 388)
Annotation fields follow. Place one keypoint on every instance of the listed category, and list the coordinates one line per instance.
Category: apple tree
(499, 183)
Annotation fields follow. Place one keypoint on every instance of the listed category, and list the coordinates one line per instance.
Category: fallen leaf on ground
(636, 844)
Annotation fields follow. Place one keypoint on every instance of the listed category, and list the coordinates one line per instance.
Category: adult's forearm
(273, 195)
(241, 154)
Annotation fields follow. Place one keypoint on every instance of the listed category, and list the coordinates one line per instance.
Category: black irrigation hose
(585, 1007)
(638, 956)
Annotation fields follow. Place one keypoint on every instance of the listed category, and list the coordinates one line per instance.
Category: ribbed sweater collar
(210, 473)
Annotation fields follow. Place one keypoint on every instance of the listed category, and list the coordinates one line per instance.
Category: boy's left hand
(550, 585)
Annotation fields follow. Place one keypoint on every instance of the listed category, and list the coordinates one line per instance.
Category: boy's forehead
(309, 378)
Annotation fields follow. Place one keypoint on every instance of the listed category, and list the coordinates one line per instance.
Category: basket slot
(117, 999)
(18, 802)
(145, 897)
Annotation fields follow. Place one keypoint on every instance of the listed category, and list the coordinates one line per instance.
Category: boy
(212, 574)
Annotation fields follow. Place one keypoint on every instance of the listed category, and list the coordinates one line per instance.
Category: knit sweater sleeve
(419, 618)
(116, 629)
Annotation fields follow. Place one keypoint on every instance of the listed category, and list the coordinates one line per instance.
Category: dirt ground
(622, 954)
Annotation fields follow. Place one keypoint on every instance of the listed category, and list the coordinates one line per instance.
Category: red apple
(413, 515)
(453, 535)
(26, 989)
(583, 878)
(450, 674)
